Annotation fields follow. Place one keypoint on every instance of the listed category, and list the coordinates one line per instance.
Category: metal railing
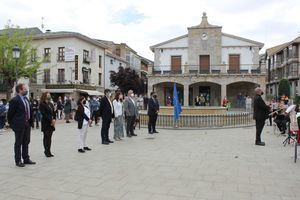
(202, 121)
(213, 69)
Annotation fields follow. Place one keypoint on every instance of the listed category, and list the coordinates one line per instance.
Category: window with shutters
(204, 64)
(176, 64)
(234, 63)
(47, 76)
(61, 54)
(61, 76)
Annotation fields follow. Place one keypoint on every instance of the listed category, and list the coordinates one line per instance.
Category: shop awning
(92, 92)
(58, 90)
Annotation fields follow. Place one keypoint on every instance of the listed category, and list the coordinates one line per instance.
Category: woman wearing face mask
(83, 118)
(48, 122)
(118, 121)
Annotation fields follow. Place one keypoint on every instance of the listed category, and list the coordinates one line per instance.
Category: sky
(143, 23)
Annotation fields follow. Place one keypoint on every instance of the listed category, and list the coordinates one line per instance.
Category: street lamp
(16, 55)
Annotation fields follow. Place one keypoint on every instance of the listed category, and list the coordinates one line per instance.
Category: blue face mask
(25, 93)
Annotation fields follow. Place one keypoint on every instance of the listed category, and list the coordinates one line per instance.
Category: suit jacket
(106, 110)
(16, 114)
(153, 106)
(261, 110)
(48, 114)
(130, 108)
(81, 116)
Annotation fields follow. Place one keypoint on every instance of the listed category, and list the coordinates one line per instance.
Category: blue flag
(176, 103)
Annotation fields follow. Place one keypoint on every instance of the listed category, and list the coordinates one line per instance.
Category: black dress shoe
(48, 155)
(29, 162)
(155, 131)
(260, 143)
(109, 141)
(128, 135)
(105, 143)
(134, 134)
(20, 164)
(81, 151)
(150, 132)
(87, 148)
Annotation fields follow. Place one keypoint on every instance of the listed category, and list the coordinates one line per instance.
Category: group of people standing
(124, 110)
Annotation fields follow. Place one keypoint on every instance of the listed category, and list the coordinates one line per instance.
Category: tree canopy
(28, 63)
(284, 87)
(127, 79)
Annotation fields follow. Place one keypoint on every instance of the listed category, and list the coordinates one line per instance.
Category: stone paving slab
(172, 165)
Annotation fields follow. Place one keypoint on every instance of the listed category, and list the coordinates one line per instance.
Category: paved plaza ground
(172, 165)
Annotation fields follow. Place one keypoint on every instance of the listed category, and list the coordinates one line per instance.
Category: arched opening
(205, 94)
(237, 91)
(165, 93)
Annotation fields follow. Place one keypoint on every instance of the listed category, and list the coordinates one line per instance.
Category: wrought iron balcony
(196, 70)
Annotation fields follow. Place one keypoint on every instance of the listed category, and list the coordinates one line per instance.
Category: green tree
(284, 87)
(28, 63)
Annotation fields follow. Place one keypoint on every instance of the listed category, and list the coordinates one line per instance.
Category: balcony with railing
(196, 70)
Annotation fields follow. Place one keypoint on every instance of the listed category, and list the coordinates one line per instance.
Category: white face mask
(132, 95)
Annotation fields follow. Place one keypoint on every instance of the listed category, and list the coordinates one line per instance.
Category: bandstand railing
(201, 121)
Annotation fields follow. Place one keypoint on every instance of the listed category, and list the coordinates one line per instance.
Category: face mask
(84, 102)
(262, 93)
(155, 96)
(132, 95)
(120, 97)
(25, 93)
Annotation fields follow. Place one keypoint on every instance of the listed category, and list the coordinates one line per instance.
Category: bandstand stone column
(223, 92)
(186, 95)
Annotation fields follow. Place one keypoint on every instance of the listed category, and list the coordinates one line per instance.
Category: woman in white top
(82, 116)
(118, 120)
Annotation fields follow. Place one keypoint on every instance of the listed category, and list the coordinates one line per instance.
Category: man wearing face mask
(106, 112)
(20, 119)
(153, 109)
(131, 112)
(261, 113)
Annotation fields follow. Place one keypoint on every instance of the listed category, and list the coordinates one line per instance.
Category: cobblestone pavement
(171, 165)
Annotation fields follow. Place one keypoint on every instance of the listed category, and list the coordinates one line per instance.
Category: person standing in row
(74, 108)
(20, 119)
(59, 107)
(106, 112)
(83, 118)
(94, 107)
(48, 122)
(68, 109)
(130, 113)
(261, 113)
(118, 120)
(248, 103)
(153, 109)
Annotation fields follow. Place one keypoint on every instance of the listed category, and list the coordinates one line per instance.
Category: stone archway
(209, 90)
(164, 92)
(236, 92)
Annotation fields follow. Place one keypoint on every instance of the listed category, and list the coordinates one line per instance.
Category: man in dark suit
(106, 112)
(261, 112)
(131, 113)
(153, 108)
(20, 119)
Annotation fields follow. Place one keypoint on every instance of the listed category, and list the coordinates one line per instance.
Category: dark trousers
(2, 121)
(36, 118)
(259, 127)
(105, 130)
(130, 125)
(95, 117)
(152, 123)
(22, 140)
(47, 140)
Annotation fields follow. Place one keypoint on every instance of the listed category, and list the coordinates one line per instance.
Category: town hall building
(206, 62)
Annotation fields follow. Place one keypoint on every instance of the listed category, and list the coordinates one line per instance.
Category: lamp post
(16, 55)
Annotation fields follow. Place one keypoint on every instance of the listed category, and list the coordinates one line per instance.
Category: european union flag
(176, 103)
